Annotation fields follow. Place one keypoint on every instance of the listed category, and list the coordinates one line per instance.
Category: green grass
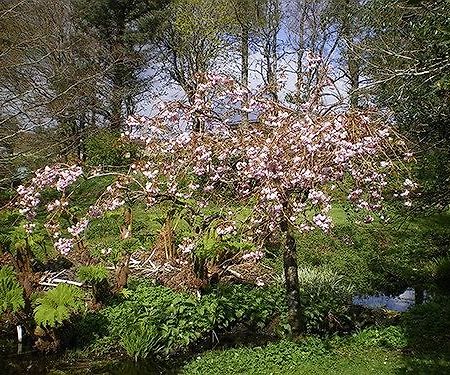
(376, 352)
(289, 358)
(420, 344)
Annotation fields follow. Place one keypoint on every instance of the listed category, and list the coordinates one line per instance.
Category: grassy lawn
(265, 361)
(418, 344)
(291, 359)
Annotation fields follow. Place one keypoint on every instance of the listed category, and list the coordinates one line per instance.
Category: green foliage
(406, 51)
(154, 319)
(325, 297)
(58, 305)
(392, 337)
(442, 275)
(141, 341)
(105, 148)
(14, 237)
(310, 356)
(92, 274)
(213, 246)
(256, 307)
(380, 259)
(11, 293)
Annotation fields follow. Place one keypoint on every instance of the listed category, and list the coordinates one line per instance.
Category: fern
(93, 274)
(11, 293)
(58, 305)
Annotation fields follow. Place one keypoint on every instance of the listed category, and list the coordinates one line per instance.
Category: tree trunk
(244, 68)
(116, 106)
(353, 73)
(25, 275)
(299, 86)
(291, 281)
(122, 273)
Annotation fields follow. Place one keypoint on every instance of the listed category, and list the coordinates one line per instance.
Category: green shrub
(58, 305)
(380, 258)
(325, 297)
(427, 326)
(92, 274)
(11, 293)
(256, 307)
(154, 319)
(142, 340)
(105, 148)
(392, 337)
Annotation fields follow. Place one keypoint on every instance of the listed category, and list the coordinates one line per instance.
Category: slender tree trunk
(299, 85)
(353, 73)
(81, 138)
(116, 103)
(245, 67)
(22, 263)
(198, 125)
(291, 280)
(119, 75)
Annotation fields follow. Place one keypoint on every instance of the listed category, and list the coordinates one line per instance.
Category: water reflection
(399, 303)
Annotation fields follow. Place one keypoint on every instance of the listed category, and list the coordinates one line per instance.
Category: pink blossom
(64, 245)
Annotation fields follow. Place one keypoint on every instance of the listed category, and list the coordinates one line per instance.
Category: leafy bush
(380, 259)
(96, 275)
(256, 307)
(141, 341)
(11, 293)
(104, 148)
(155, 319)
(392, 337)
(325, 297)
(92, 274)
(58, 305)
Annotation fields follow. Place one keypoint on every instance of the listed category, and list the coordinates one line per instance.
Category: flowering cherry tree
(280, 174)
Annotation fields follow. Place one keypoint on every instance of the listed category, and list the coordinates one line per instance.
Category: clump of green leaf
(92, 274)
(154, 319)
(141, 341)
(392, 337)
(325, 297)
(58, 305)
(11, 293)
(255, 307)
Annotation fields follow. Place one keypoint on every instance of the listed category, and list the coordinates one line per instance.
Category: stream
(400, 303)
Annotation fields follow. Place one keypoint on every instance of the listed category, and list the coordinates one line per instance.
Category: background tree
(269, 45)
(115, 24)
(408, 64)
(248, 17)
(49, 85)
(189, 41)
(311, 34)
